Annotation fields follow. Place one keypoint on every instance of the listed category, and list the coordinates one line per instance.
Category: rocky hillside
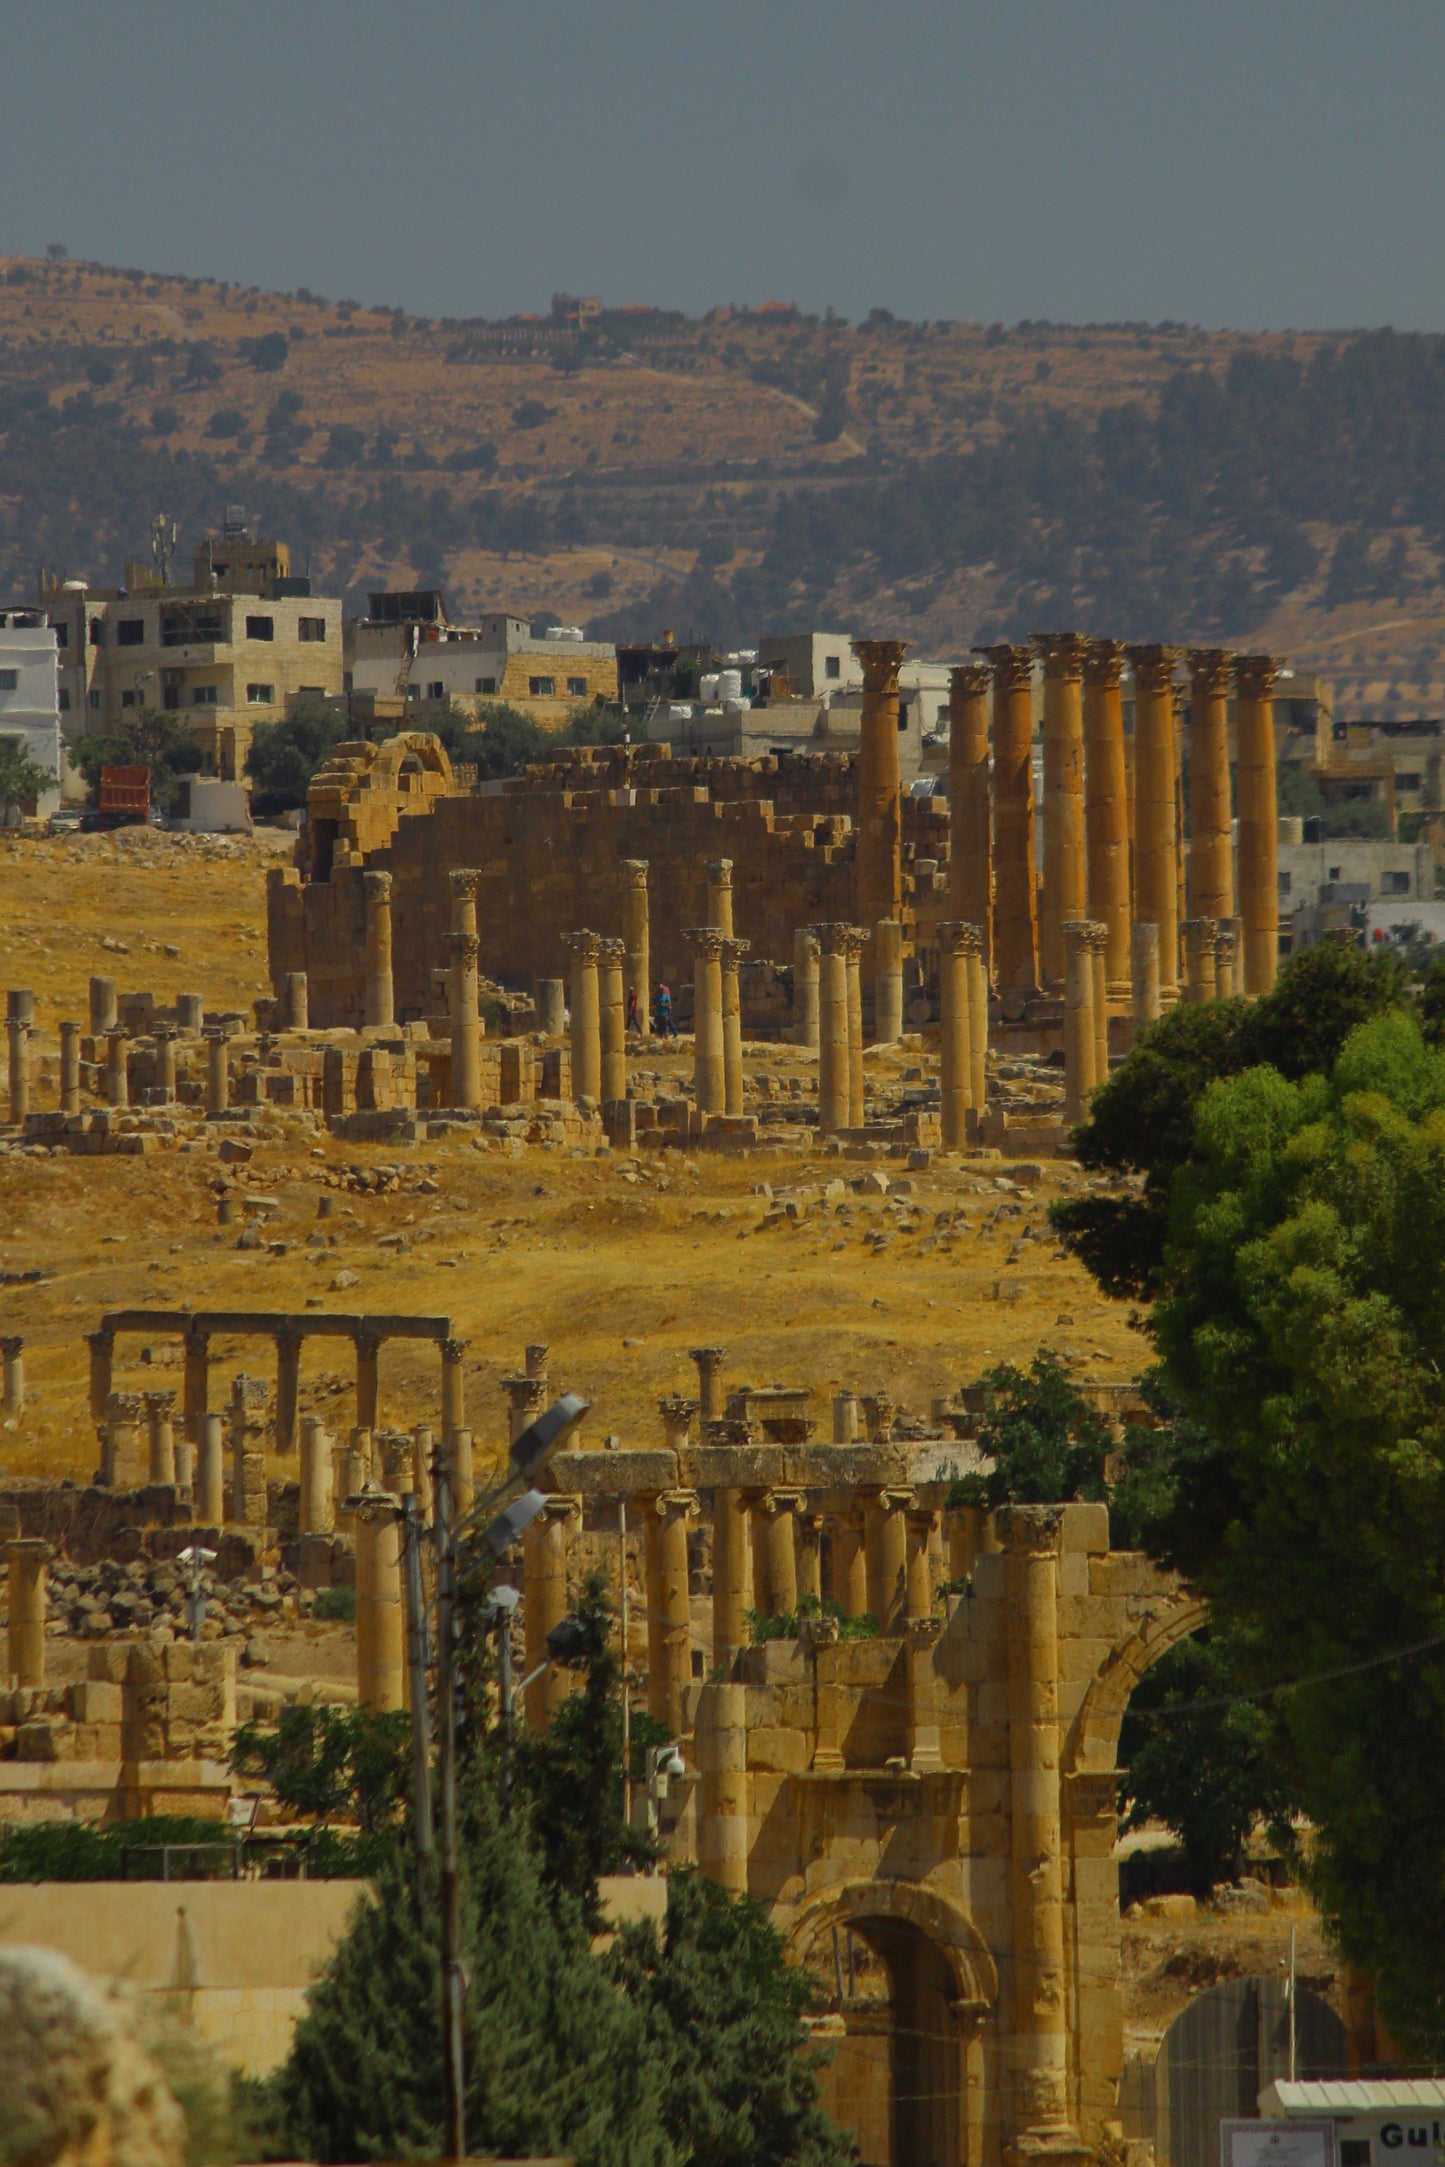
(752, 469)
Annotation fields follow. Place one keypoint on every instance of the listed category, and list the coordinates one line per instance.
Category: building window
(261, 628)
(131, 632)
(1335, 873)
(832, 665)
(576, 688)
(1394, 884)
(542, 688)
(311, 628)
(1407, 782)
(205, 695)
(95, 701)
(436, 690)
(9, 680)
(1286, 883)
(486, 684)
(65, 700)
(62, 635)
(97, 632)
(130, 699)
(260, 695)
(413, 692)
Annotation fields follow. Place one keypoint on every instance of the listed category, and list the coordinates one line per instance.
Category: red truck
(125, 796)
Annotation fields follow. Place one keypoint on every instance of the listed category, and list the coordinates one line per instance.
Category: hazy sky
(1273, 162)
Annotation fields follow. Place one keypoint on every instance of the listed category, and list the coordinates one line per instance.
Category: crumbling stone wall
(549, 849)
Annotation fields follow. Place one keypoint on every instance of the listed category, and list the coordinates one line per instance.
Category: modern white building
(30, 693)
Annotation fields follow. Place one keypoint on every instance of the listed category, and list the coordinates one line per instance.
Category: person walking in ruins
(632, 1019)
(662, 1021)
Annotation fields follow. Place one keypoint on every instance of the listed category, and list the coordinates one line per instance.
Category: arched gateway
(929, 1815)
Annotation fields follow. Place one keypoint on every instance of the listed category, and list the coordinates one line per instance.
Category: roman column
(1254, 677)
(977, 1019)
(379, 1012)
(164, 1041)
(18, 1034)
(1099, 961)
(28, 1559)
(314, 1512)
(586, 1015)
(636, 940)
(544, 1568)
(775, 1512)
(70, 1068)
(732, 1025)
(12, 1394)
(850, 1562)
(1180, 697)
(722, 1749)
(551, 1005)
(295, 1002)
(710, 1396)
(1201, 937)
(1106, 804)
(466, 1023)
(218, 1074)
(832, 1028)
(886, 1535)
(805, 986)
(720, 895)
(857, 936)
(612, 1018)
(709, 1077)
(1040, 1998)
(161, 1436)
(288, 1386)
(380, 1632)
(104, 1012)
(1146, 975)
(669, 1654)
(1079, 1048)
(1226, 959)
(210, 1473)
(879, 889)
(454, 1409)
(1015, 893)
(955, 1064)
(970, 847)
(1156, 881)
(117, 1078)
(1066, 887)
(887, 982)
(732, 1578)
(463, 880)
(1211, 837)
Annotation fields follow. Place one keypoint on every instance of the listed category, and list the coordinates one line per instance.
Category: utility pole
(416, 1657)
(453, 2051)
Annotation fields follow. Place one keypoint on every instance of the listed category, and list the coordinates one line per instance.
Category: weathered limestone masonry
(945, 1790)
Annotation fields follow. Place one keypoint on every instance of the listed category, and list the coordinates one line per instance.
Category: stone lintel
(601, 1475)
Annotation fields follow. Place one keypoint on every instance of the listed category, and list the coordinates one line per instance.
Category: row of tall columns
(1114, 846)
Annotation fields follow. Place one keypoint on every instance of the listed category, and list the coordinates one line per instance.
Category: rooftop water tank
(730, 685)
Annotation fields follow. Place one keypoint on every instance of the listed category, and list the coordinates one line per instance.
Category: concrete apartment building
(30, 693)
(407, 647)
(223, 654)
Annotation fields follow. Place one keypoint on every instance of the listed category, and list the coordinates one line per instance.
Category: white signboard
(1276, 2144)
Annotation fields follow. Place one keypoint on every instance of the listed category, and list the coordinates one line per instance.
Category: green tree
(332, 1763)
(22, 779)
(285, 755)
(1201, 1758)
(1299, 1313)
(1141, 1122)
(724, 2013)
(1047, 1445)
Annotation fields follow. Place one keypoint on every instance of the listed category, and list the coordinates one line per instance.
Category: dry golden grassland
(619, 1266)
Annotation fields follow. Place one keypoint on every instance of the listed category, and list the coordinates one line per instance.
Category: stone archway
(1093, 1740)
(933, 2025)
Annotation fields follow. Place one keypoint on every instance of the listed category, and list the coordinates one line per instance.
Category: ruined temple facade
(552, 851)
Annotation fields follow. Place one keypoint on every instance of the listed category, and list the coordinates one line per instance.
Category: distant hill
(763, 469)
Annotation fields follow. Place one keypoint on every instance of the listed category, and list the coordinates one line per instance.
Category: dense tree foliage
(22, 778)
(1141, 1122)
(147, 737)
